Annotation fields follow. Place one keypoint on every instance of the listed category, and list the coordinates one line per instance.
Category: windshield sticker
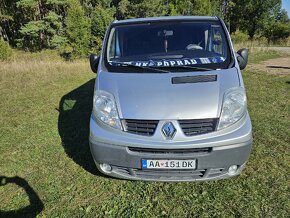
(172, 62)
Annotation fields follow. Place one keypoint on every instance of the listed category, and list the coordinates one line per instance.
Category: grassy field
(46, 167)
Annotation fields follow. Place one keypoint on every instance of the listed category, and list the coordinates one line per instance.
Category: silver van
(169, 101)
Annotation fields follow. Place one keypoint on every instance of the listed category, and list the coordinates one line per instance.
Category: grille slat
(170, 173)
(197, 121)
(140, 127)
(192, 125)
(171, 151)
(197, 127)
(141, 121)
(166, 172)
(137, 129)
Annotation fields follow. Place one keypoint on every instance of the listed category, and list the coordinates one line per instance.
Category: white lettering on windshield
(165, 63)
(205, 60)
(174, 62)
(193, 61)
(159, 63)
(186, 62)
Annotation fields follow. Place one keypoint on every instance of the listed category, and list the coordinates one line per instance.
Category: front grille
(171, 151)
(170, 174)
(189, 127)
(197, 127)
(140, 127)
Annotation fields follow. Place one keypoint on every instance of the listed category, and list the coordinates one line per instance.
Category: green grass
(256, 56)
(45, 105)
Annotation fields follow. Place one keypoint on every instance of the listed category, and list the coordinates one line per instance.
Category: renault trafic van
(169, 101)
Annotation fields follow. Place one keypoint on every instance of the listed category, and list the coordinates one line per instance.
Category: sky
(286, 6)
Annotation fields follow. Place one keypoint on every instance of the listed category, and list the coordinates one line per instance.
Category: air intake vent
(194, 79)
(170, 174)
(171, 151)
(140, 127)
(197, 127)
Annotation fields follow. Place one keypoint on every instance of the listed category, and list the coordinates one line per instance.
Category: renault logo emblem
(168, 130)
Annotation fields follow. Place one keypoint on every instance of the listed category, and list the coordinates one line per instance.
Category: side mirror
(94, 62)
(242, 57)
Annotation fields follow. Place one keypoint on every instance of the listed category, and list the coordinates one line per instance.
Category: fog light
(106, 167)
(232, 170)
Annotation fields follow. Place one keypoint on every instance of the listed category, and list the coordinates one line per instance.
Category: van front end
(215, 155)
(169, 101)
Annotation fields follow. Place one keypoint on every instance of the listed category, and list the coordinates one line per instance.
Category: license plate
(168, 164)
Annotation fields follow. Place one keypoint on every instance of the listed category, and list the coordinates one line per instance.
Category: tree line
(77, 27)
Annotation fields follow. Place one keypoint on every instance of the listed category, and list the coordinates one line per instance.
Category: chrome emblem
(168, 130)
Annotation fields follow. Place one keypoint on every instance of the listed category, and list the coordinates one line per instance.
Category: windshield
(168, 45)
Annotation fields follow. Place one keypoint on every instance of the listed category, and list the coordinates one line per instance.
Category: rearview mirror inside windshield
(165, 33)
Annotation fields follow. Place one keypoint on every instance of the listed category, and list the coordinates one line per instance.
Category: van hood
(153, 96)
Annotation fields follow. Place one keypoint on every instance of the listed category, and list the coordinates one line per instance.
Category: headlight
(105, 109)
(233, 108)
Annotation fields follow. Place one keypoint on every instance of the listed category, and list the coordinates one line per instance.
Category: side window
(114, 49)
(217, 44)
(112, 43)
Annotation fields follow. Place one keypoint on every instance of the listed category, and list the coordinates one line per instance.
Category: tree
(251, 15)
(148, 8)
(282, 16)
(121, 9)
(58, 6)
(101, 18)
(42, 23)
(202, 7)
(32, 35)
(190, 7)
(277, 26)
(139, 8)
(77, 30)
(11, 20)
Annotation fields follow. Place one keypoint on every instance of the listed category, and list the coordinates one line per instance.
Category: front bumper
(211, 164)
(214, 153)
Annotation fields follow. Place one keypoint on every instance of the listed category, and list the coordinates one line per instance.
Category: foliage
(276, 30)
(189, 7)
(77, 30)
(101, 18)
(239, 37)
(136, 8)
(251, 15)
(42, 26)
(148, 8)
(277, 26)
(30, 4)
(5, 50)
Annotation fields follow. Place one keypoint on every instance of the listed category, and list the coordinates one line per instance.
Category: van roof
(165, 18)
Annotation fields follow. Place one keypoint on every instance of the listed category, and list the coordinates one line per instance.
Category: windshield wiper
(193, 67)
(122, 64)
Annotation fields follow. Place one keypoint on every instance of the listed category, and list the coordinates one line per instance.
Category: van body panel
(137, 95)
